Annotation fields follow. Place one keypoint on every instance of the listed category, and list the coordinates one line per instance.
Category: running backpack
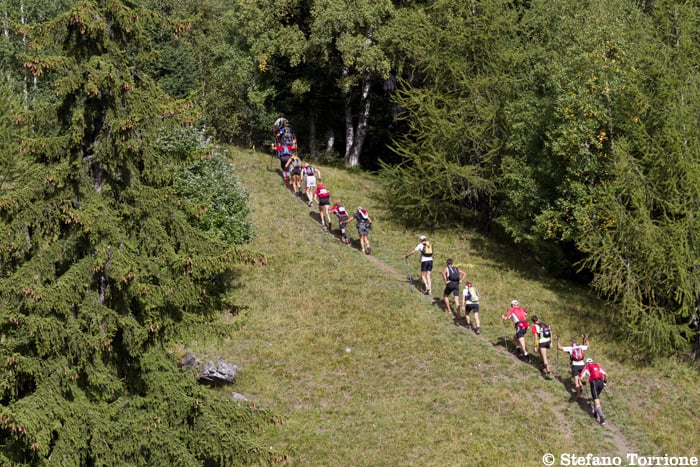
(428, 249)
(296, 163)
(287, 137)
(594, 370)
(472, 294)
(339, 211)
(545, 330)
(453, 273)
(577, 354)
(309, 171)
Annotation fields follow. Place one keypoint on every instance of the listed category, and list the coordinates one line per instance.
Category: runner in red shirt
(323, 199)
(519, 317)
(597, 378)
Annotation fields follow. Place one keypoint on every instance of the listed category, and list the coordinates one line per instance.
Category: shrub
(219, 203)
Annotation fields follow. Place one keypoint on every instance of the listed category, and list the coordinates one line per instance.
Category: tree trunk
(349, 128)
(355, 138)
(330, 140)
(352, 158)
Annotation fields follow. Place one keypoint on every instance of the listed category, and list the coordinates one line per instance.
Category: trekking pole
(608, 397)
(408, 268)
(505, 335)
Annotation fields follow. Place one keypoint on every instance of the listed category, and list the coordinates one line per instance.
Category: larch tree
(102, 263)
(460, 59)
(641, 238)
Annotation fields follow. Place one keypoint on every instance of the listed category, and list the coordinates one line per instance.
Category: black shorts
(296, 171)
(363, 228)
(426, 266)
(520, 332)
(324, 201)
(472, 307)
(342, 220)
(545, 345)
(576, 370)
(597, 387)
(452, 287)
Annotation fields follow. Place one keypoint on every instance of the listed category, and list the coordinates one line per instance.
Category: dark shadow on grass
(417, 285)
(583, 402)
(316, 217)
(506, 342)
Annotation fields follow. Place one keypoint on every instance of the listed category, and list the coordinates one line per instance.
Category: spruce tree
(101, 266)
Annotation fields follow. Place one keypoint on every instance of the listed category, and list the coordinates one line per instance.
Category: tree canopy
(570, 128)
(106, 260)
(563, 125)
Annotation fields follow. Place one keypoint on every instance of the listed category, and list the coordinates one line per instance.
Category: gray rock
(214, 372)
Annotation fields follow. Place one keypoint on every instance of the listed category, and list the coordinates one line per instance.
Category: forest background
(567, 128)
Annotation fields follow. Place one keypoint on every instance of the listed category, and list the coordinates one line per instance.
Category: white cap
(589, 360)
(421, 238)
(514, 303)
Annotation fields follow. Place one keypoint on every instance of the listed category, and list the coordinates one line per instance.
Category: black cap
(449, 260)
(534, 318)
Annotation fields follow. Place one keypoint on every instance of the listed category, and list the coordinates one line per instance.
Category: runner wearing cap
(597, 378)
(519, 317)
(426, 261)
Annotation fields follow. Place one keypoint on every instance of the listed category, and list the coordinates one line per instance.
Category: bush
(219, 203)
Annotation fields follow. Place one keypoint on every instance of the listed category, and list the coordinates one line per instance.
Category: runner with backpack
(294, 163)
(323, 199)
(576, 358)
(519, 317)
(341, 213)
(288, 137)
(285, 155)
(278, 126)
(470, 303)
(542, 340)
(452, 277)
(597, 379)
(310, 174)
(364, 224)
(425, 248)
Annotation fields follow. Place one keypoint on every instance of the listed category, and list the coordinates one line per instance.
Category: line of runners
(297, 173)
(581, 368)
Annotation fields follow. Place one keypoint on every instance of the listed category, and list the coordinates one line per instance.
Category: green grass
(363, 370)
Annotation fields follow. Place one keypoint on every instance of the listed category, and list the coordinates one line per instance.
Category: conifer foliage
(100, 264)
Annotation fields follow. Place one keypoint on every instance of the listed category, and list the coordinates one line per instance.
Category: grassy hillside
(364, 370)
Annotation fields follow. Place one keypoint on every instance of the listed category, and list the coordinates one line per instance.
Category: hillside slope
(364, 370)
